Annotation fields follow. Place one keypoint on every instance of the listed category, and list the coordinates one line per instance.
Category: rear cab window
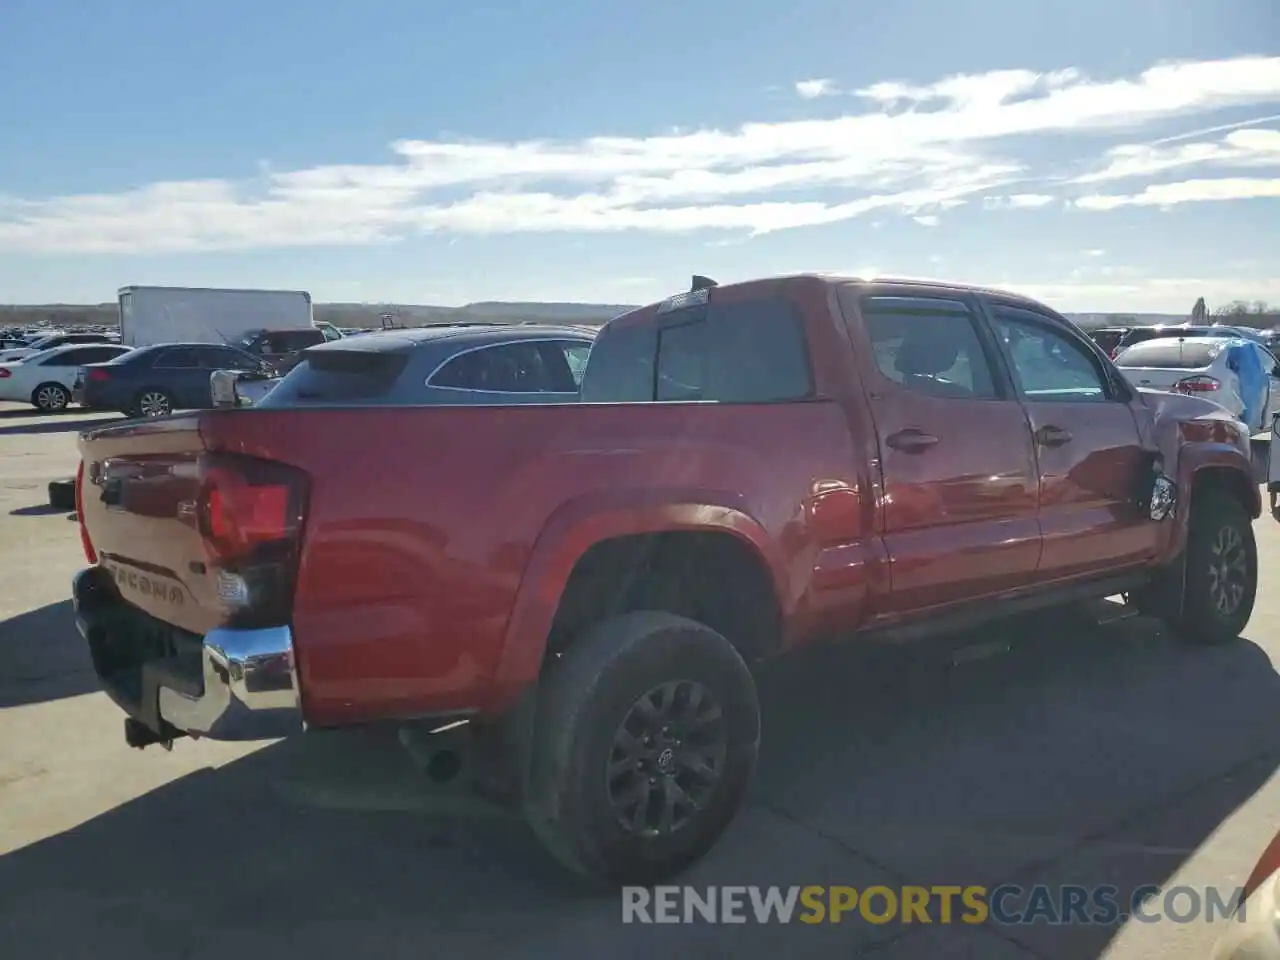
(694, 349)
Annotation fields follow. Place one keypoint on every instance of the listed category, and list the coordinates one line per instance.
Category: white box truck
(150, 315)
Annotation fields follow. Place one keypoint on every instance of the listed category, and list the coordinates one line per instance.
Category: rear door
(1089, 455)
(959, 495)
(178, 372)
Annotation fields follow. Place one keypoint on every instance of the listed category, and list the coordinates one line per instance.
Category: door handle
(1052, 436)
(911, 440)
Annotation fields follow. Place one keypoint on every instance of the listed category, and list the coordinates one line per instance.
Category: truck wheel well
(713, 578)
(1225, 480)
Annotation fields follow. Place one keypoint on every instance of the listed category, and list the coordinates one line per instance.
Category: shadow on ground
(42, 657)
(1060, 761)
(36, 510)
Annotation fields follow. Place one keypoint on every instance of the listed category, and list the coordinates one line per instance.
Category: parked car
(280, 349)
(1138, 335)
(1203, 366)
(472, 363)
(50, 341)
(45, 379)
(157, 380)
(750, 468)
(1108, 338)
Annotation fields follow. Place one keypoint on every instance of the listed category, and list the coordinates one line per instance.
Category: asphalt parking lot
(1082, 755)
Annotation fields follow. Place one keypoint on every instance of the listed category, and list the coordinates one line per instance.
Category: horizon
(1102, 157)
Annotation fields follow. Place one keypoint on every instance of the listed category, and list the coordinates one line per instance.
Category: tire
(50, 398)
(152, 402)
(587, 695)
(62, 494)
(1219, 540)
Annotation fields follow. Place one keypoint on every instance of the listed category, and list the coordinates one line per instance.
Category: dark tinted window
(682, 362)
(745, 352)
(621, 366)
(98, 354)
(337, 376)
(1047, 362)
(67, 358)
(176, 358)
(928, 345)
(528, 366)
(223, 358)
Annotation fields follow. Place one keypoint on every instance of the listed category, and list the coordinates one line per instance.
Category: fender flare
(582, 523)
(1192, 459)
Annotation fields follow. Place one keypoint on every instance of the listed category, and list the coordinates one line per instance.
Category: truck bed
(421, 521)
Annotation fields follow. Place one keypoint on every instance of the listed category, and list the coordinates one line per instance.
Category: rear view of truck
(186, 608)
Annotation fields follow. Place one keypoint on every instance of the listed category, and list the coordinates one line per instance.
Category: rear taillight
(85, 543)
(250, 514)
(5, 373)
(1197, 385)
(99, 375)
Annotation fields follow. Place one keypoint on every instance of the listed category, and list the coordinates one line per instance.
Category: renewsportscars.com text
(1004, 905)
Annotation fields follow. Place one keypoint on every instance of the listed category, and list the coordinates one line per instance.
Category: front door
(959, 494)
(1088, 449)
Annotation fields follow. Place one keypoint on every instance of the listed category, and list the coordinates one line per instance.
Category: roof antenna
(702, 283)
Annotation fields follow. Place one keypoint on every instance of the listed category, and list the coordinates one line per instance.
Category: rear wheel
(152, 403)
(645, 742)
(1220, 582)
(51, 397)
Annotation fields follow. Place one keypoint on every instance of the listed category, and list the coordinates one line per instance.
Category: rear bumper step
(227, 685)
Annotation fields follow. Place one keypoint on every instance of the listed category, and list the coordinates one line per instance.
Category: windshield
(1170, 354)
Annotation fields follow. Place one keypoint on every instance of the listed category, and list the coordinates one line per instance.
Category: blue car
(155, 381)
(463, 364)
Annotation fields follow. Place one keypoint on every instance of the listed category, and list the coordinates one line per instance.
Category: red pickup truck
(751, 468)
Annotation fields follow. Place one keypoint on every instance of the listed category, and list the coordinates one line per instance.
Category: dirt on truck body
(750, 468)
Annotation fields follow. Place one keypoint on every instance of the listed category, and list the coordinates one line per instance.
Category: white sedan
(1202, 367)
(45, 379)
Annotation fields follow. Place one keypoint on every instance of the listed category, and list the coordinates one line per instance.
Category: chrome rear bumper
(228, 685)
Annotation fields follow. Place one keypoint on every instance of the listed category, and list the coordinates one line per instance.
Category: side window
(301, 339)
(682, 362)
(218, 358)
(575, 355)
(508, 368)
(98, 354)
(1048, 364)
(67, 358)
(178, 358)
(930, 346)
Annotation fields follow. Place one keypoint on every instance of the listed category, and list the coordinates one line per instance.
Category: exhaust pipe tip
(444, 766)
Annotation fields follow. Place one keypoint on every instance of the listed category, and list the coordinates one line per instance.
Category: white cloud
(1186, 191)
(928, 220)
(812, 89)
(951, 145)
(1018, 201)
(1240, 148)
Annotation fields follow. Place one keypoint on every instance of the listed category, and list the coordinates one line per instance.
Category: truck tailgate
(138, 501)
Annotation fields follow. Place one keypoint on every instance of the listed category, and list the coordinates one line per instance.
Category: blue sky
(1102, 154)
